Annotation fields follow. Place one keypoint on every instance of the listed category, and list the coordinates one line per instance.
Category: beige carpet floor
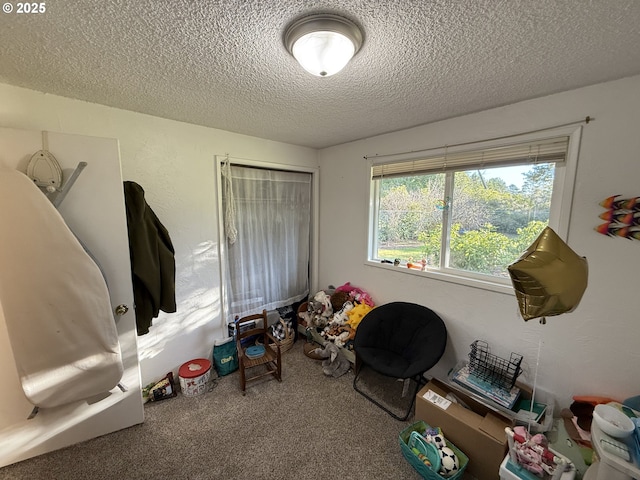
(310, 426)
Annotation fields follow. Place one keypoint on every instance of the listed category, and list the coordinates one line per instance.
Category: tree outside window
(492, 221)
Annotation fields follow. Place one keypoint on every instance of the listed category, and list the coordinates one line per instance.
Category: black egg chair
(400, 340)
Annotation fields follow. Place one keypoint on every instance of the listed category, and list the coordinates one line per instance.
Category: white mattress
(55, 301)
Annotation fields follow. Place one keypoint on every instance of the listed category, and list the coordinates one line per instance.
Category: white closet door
(94, 210)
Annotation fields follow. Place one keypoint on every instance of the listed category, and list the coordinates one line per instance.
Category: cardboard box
(477, 431)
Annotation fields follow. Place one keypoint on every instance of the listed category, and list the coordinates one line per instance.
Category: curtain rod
(228, 156)
(250, 162)
(586, 120)
(264, 164)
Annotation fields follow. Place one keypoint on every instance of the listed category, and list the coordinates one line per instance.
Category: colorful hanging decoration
(622, 217)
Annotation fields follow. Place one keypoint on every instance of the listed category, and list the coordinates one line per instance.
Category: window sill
(497, 287)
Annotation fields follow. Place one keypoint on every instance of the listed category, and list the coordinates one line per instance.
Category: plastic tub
(194, 376)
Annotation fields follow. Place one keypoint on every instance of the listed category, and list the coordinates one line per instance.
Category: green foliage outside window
(492, 223)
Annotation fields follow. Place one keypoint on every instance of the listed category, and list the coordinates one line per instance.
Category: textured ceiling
(222, 63)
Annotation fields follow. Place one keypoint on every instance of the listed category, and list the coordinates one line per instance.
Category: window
(466, 214)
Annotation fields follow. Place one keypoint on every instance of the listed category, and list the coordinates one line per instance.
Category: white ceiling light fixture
(324, 43)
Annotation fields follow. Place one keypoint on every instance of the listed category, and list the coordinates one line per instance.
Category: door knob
(121, 309)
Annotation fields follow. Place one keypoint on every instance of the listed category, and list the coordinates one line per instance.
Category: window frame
(559, 217)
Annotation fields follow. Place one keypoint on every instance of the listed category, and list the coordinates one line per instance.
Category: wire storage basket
(493, 369)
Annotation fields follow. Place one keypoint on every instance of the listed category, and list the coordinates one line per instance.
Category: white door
(94, 209)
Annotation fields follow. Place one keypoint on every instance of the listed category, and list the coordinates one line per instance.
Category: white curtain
(268, 262)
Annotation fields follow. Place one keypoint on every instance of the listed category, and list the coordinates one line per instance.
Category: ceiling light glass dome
(323, 44)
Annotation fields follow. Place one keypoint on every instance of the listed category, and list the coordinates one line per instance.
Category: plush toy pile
(337, 312)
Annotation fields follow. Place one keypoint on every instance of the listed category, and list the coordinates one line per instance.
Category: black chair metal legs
(399, 340)
(418, 382)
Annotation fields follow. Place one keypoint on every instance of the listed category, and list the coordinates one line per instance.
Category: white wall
(590, 351)
(595, 349)
(174, 163)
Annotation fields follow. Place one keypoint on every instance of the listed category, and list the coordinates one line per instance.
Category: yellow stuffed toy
(357, 313)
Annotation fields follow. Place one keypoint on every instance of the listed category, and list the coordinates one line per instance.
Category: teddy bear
(335, 364)
(338, 299)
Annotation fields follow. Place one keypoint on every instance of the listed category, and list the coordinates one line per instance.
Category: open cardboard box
(477, 431)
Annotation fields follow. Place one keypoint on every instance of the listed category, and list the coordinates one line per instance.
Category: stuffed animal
(318, 310)
(338, 299)
(346, 335)
(356, 294)
(357, 313)
(435, 437)
(341, 317)
(322, 301)
(532, 452)
(335, 364)
(331, 331)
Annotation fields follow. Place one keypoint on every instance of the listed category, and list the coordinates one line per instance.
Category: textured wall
(593, 350)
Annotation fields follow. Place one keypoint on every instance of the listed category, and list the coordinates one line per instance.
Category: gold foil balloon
(549, 278)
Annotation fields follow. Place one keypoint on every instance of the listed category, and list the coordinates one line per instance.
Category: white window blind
(539, 151)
